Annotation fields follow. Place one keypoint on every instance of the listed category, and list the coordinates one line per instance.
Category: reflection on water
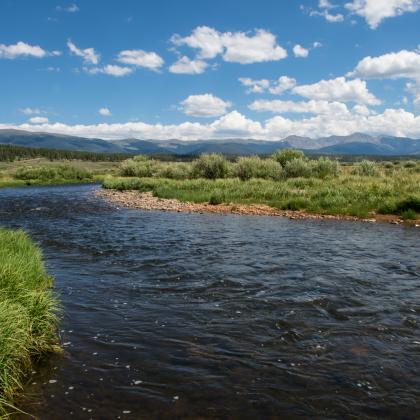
(171, 315)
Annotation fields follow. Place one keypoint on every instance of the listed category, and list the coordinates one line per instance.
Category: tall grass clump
(28, 313)
(210, 166)
(255, 167)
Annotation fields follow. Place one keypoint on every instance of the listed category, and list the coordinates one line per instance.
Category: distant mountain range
(357, 144)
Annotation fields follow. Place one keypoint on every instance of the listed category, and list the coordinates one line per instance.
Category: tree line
(10, 153)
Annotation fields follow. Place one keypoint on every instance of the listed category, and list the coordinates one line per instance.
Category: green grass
(28, 313)
(345, 194)
(41, 171)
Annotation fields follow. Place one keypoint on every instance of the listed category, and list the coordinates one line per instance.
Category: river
(174, 315)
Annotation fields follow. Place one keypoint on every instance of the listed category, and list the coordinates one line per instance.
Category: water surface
(171, 315)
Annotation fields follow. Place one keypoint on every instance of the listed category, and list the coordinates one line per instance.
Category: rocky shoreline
(147, 201)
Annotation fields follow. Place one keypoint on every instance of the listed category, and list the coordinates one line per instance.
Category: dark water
(171, 315)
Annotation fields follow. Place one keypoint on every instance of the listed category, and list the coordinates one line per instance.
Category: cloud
(300, 52)
(139, 58)
(395, 122)
(395, 65)
(276, 87)
(184, 65)
(375, 11)
(105, 112)
(110, 69)
(38, 120)
(72, 8)
(22, 49)
(234, 47)
(338, 89)
(30, 111)
(206, 105)
(310, 107)
(89, 55)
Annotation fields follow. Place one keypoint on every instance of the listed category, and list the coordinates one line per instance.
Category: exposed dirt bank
(147, 201)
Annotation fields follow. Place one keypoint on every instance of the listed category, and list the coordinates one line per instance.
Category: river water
(172, 315)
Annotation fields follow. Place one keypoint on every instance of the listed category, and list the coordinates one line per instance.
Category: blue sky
(210, 69)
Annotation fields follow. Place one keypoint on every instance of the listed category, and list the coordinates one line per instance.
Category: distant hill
(358, 144)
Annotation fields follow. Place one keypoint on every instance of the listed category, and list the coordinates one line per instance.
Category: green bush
(255, 167)
(410, 164)
(139, 166)
(210, 166)
(174, 171)
(366, 168)
(51, 173)
(286, 155)
(298, 167)
(324, 167)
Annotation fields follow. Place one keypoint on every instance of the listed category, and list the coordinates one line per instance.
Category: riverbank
(28, 313)
(147, 201)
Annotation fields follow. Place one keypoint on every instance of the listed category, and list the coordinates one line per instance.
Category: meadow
(28, 314)
(287, 180)
(44, 171)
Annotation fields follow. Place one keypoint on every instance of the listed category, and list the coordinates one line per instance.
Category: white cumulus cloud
(89, 55)
(185, 65)
(139, 58)
(395, 122)
(395, 65)
(300, 51)
(275, 87)
(38, 120)
(205, 105)
(375, 11)
(105, 112)
(236, 47)
(22, 49)
(339, 89)
(71, 8)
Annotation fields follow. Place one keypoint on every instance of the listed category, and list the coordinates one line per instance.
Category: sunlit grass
(345, 194)
(28, 313)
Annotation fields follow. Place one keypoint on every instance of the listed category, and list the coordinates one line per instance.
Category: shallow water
(171, 315)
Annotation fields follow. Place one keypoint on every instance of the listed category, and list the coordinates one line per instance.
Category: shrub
(324, 167)
(254, 167)
(410, 164)
(51, 173)
(298, 167)
(210, 166)
(286, 155)
(366, 168)
(174, 171)
(138, 167)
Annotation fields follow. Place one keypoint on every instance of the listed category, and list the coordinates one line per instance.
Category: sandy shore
(147, 201)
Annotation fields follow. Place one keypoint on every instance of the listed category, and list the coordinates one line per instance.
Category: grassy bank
(41, 171)
(28, 313)
(287, 181)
